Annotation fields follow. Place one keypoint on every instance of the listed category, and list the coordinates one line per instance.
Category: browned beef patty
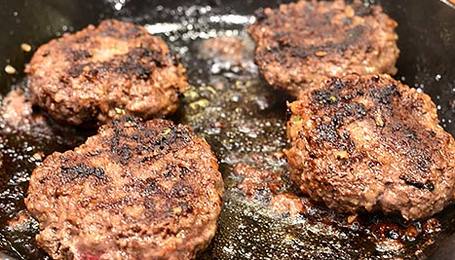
(101, 72)
(371, 142)
(301, 43)
(136, 190)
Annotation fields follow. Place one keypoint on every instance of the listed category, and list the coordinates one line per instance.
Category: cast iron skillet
(427, 43)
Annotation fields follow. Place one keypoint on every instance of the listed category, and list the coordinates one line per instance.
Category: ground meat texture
(136, 190)
(228, 53)
(255, 180)
(17, 112)
(301, 43)
(287, 204)
(371, 143)
(18, 116)
(102, 72)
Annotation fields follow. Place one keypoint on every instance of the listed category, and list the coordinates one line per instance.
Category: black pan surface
(253, 116)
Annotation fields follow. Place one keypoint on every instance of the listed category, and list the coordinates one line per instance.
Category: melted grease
(243, 120)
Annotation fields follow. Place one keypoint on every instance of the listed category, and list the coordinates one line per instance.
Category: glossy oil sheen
(253, 116)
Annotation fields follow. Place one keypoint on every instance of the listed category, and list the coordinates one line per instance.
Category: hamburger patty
(371, 142)
(301, 43)
(101, 72)
(136, 190)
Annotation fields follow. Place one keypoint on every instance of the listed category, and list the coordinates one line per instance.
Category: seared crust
(101, 72)
(301, 43)
(370, 142)
(134, 191)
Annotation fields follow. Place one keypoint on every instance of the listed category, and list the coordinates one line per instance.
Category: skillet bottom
(243, 120)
